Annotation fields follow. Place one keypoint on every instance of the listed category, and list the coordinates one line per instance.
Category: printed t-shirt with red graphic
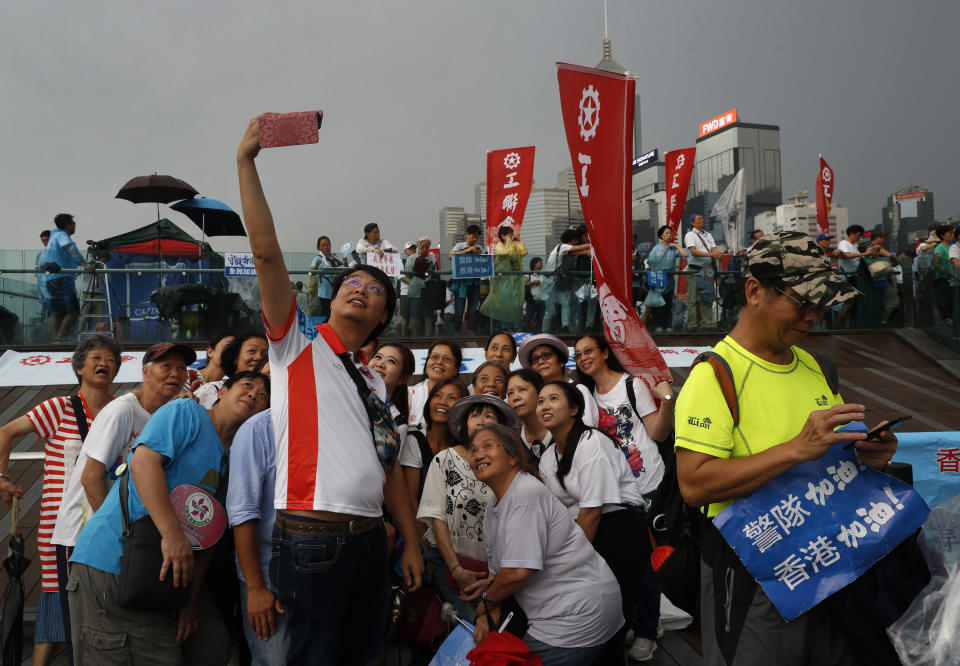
(55, 421)
(326, 460)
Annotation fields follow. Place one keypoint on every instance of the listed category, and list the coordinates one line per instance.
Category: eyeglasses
(587, 351)
(805, 307)
(369, 287)
(443, 359)
(542, 356)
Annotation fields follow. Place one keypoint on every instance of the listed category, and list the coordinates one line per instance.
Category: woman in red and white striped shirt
(95, 362)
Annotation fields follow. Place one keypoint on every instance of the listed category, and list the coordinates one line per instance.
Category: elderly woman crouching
(538, 554)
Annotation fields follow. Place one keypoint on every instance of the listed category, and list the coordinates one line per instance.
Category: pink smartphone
(290, 129)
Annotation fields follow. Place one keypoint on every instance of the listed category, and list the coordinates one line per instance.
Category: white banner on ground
(54, 369)
(390, 263)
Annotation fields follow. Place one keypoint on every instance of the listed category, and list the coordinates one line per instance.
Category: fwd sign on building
(717, 123)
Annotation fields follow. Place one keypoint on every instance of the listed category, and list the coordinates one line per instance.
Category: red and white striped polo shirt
(326, 460)
(54, 421)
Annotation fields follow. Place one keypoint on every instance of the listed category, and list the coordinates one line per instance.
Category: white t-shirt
(591, 413)
(410, 452)
(598, 476)
(620, 421)
(453, 494)
(417, 400)
(113, 433)
(572, 598)
(954, 252)
(533, 448)
(553, 259)
(847, 265)
(536, 290)
(326, 460)
(206, 393)
(364, 246)
(701, 241)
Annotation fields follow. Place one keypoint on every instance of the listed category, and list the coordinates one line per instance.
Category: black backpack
(675, 527)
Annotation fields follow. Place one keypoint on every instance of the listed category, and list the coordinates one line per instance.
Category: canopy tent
(158, 239)
(159, 244)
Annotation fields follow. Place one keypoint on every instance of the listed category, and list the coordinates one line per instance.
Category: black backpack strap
(426, 453)
(426, 456)
(725, 378)
(80, 413)
(829, 369)
(632, 397)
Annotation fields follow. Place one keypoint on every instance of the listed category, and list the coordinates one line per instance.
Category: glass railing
(145, 303)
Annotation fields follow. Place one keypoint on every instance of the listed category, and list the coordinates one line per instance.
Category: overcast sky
(414, 92)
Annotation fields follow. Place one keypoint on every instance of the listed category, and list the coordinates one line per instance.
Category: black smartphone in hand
(873, 434)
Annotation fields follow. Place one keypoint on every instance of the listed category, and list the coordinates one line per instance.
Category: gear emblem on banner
(512, 160)
(589, 117)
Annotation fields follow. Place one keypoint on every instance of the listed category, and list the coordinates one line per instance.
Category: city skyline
(415, 93)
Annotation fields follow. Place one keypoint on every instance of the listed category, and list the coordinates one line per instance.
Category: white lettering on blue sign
(789, 513)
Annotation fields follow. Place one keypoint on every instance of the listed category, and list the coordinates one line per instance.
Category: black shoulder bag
(140, 587)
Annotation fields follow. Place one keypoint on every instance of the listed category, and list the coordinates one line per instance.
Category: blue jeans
(335, 591)
(554, 298)
(471, 295)
(552, 655)
(265, 653)
(534, 315)
(465, 609)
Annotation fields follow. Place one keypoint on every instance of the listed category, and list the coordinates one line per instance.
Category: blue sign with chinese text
(239, 264)
(935, 457)
(817, 527)
(472, 266)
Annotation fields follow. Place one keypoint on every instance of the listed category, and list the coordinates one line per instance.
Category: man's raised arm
(275, 294)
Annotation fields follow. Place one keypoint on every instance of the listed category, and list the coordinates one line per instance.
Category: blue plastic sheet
(453, 651)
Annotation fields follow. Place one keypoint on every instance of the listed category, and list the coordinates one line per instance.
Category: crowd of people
(557, 294)
(320, 476)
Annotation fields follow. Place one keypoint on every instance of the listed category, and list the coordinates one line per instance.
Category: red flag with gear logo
(679, 167)
(825, 185)
(509, 180)
(597, 111)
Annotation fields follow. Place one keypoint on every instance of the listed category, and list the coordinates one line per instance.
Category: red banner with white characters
(509, 180)
(825, 185)
(679, 167)
(597, 111)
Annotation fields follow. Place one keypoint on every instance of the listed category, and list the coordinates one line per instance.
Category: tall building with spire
(610, 65)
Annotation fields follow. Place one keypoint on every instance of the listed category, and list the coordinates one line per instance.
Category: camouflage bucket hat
(799, 262)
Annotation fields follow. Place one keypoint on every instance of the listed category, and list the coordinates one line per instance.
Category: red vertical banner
(509, 180)
(679, 167)
(597, 109)
(825, 185)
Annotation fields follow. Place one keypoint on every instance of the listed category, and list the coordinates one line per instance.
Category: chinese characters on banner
(817, 527)
(467, 266)
(597, 109)
(509, 180)
(390, 263)
(679, 167)
(238, 264)
(825, 184)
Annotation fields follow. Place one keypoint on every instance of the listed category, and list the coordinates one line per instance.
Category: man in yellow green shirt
(787, 415)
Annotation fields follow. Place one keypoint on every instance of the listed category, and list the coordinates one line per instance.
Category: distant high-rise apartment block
(907, 216)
